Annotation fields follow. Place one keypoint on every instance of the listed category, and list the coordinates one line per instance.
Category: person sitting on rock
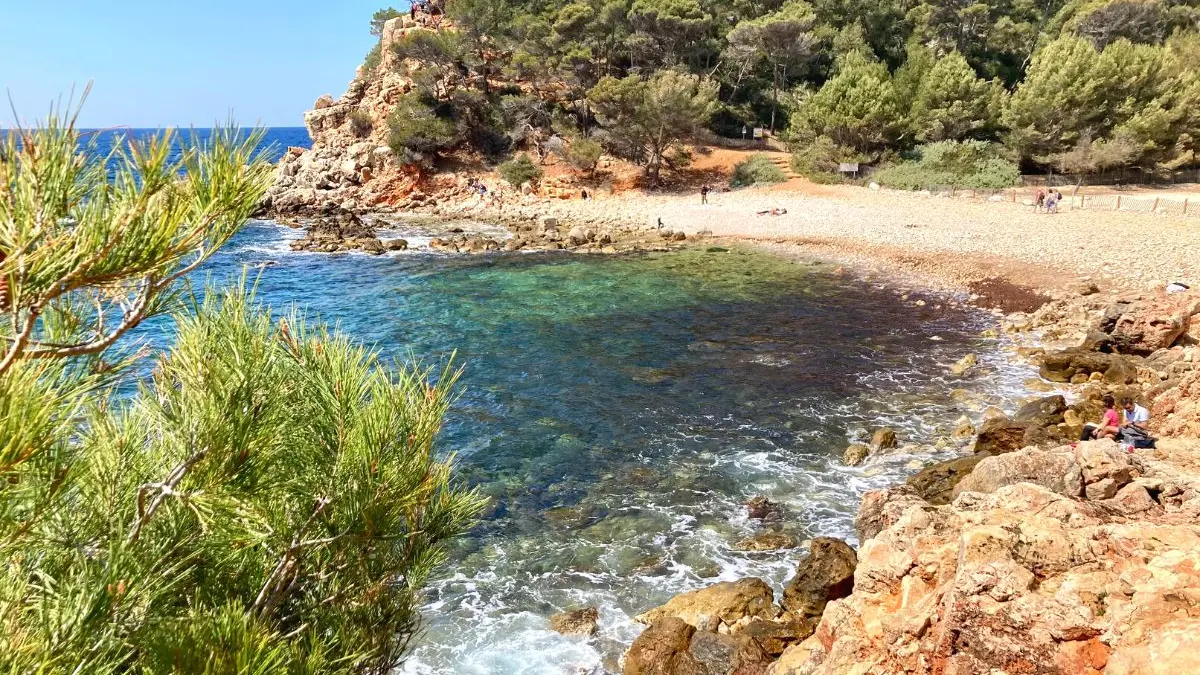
(1110, 424)
(1136, 430)
(1135, 415)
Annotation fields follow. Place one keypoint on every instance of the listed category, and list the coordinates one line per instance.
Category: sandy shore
(950, 242)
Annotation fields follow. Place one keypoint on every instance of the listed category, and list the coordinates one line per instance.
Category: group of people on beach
(1047, 201)
(1133, 430)
(486, 197)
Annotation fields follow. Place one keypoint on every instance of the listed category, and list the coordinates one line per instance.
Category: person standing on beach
(1051, 203)
(704, 190)
(1039, 200)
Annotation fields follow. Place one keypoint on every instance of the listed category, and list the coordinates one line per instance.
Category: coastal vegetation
(263, 496)
(757, 170)
(1064, 85)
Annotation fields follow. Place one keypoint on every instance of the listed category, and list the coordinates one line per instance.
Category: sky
(156, 63)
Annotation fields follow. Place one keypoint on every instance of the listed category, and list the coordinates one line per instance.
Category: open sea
(620, 411)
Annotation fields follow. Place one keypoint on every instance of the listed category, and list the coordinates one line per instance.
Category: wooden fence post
(1118, 206)
(1154, 209)
(1185, 206)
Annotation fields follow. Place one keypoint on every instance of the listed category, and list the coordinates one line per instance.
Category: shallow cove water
(620, 411)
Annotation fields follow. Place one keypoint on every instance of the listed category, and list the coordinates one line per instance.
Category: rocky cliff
(350, 166)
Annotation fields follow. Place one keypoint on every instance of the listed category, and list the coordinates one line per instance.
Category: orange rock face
(1027, 580)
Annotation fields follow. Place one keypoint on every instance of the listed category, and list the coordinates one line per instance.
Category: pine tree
(645, 119)
(952, 103)
(782, 39)
(857, 109)
(268, 498)
(1063, 99)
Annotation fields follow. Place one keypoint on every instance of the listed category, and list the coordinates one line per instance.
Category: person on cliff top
(1110, 424)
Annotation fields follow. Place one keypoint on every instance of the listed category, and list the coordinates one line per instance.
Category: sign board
(759, 132)
(848, 167)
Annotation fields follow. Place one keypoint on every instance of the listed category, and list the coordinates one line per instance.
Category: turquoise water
(621, 410)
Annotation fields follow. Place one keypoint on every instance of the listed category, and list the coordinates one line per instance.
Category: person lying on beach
(772, 212)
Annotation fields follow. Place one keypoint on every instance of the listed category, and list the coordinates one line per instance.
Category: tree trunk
(774, 97)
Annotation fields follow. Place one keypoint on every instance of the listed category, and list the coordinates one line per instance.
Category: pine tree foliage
(874, 77)
(953, 103)
(646, 119)
(857, 109)
(268, 499)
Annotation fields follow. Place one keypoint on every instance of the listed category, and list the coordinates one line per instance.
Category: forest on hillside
(965, 87)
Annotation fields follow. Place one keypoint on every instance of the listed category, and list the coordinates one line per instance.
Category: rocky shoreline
(1031, 553)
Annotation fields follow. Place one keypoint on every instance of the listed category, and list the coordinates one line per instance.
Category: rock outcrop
(346, 232)
(1031, 555)
(1176, 411)
(576, 622)
(734, 627)
(1150, 324)
(1097, 573)
(350, 166)
(723, 604)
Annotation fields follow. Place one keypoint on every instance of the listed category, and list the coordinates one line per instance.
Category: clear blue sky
(173, 63)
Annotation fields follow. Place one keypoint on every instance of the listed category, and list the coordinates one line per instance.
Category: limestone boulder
(662, 649)
(582, 621)
(856, 454)
(671, 646)
(1069, 365)
(722, 603)
(825, 574)
(1154, 323)
(1052, 470)
(1000, 434)
(762, 508)
(881, 508)
(1176, 411)
(884, 439)
(936, 482)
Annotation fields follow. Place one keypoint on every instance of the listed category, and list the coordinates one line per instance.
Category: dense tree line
(1074, 85)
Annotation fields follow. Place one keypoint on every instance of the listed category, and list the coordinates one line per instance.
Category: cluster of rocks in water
(1032, 553)
(340, 231)
(345, 232)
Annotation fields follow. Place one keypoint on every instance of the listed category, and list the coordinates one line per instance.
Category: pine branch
(283, 577)
(165, 489)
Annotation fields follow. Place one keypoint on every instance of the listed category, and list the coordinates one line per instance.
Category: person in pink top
(1110, 424)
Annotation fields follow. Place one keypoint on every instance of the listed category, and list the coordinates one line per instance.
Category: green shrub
(583, 154)
(361, 123)
(969, 164)
(415, 129)
(819, 159)
(519, 171)
(756, 170)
